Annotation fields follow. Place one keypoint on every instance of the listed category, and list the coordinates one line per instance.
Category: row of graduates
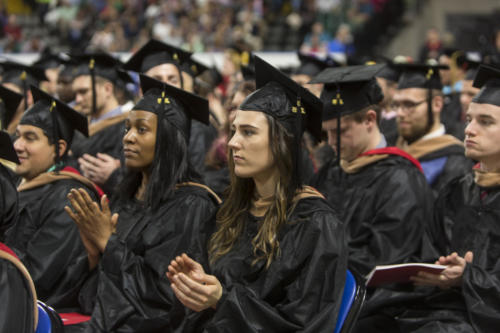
(162, 211)
(379, 193)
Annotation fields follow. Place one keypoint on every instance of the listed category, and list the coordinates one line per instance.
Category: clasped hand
(451, 276)
(95, 225)
(98, 169)
(195, 289)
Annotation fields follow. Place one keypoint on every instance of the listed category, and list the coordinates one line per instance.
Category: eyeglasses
(406, 106)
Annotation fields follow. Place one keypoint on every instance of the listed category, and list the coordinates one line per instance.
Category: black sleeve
(393, 233)
(16, 311)
(133, 292)
(54, 255)
(312, 291)
(481, 292)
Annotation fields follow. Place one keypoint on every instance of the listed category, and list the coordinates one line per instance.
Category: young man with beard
(466, 232)
(418, 102)
(380, 193)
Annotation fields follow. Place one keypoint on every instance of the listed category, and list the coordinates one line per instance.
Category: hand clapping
(95, 225)
(195, 289)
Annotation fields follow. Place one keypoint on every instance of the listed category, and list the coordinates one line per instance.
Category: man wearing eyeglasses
(418, 102)
(466, 232)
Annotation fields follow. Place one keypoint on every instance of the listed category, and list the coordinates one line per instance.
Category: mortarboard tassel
(92, 83)
(55, 131)
(25, 89)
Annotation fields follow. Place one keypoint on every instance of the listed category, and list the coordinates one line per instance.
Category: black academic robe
(217, 179)
(385, 207)
(442, 159)
(454, 165)
(133, 292)
(466, 219)
(16, 310)
(389, 128)
(451, 115)
(302, 288)
(8, 200)
(48, 243)
(200, 140)
(105, 137)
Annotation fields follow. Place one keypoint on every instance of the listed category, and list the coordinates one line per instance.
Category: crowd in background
(198, 26)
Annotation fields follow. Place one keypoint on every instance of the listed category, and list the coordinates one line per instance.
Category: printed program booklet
(387, 274)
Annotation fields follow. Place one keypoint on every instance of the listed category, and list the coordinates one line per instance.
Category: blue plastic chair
(352, 301)
(49, 320)
(44, 323)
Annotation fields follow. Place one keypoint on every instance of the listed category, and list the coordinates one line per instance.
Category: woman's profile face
(139, 139)
(249, 144)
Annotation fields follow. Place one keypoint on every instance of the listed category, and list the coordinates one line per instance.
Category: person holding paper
(467, 229)
(380, 191)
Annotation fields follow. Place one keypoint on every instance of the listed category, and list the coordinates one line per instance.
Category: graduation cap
(156, 53)
(247, 65)
(420, 76)
(389, 72)
(424, 76)
(242, 56)
(7, 151)
(215, 77)
(99, 64)
(488, 79)
(348, 90)
(55, 118)
(9, 102)
(471, 64)
(310, 65)
(49, 60)
(22, 76)
(283, 99)
(193, 67)
(176, 105)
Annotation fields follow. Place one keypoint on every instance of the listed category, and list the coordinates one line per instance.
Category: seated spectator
(261, 280)
(45, 239)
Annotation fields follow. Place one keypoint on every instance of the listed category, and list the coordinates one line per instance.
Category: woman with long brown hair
(278, 257)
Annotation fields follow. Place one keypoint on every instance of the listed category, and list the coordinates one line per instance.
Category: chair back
(49, 320)
(352, 302)
(19, 265)
(44, 323)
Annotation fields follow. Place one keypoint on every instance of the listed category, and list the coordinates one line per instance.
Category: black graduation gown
(442, 159)
(455, 166)
(451, 115)
(8, 200)
(16, 310)
(389, 128)
(133, 292)
(385, 207)
(16, 299)
(466, 219)
(217, 179)
(48, 243)
(300, 291)
(200, 140)
(105, 138)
